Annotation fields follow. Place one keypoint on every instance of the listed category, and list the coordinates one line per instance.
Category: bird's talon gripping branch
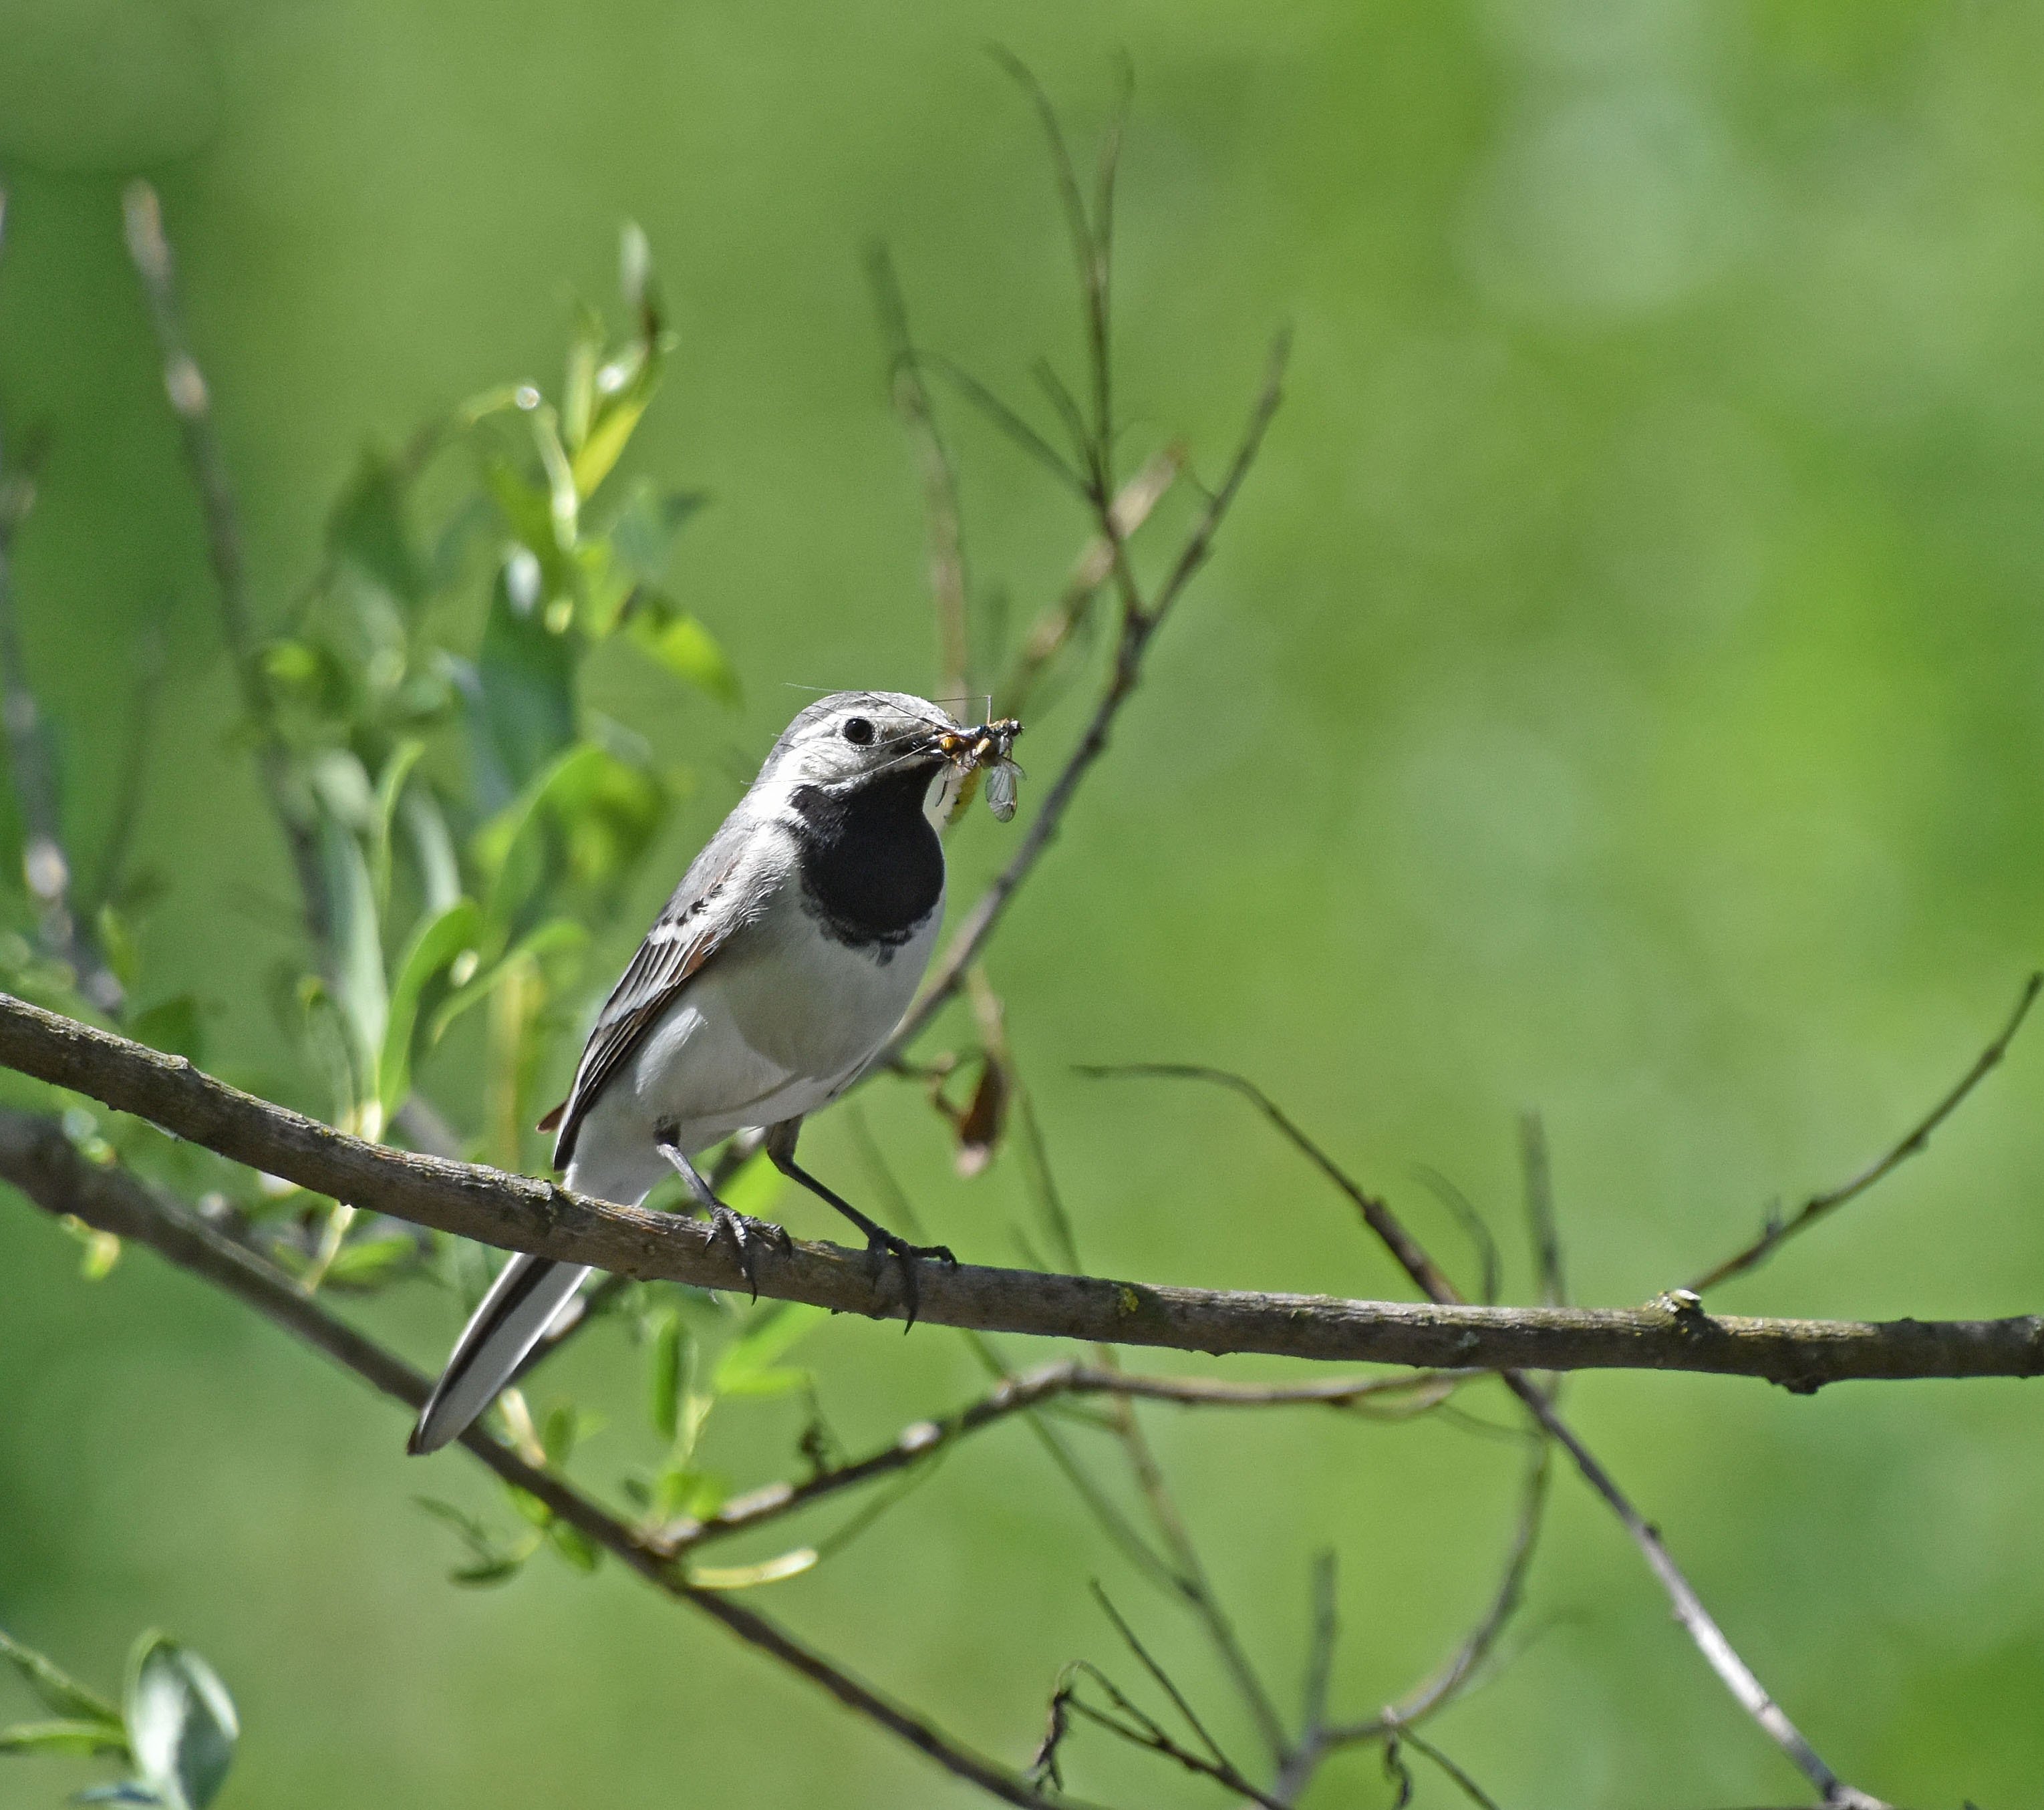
(748, 1234)
(881, 1244)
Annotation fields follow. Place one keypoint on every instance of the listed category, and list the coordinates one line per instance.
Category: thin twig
(126, 815)
(1137, 631)
(37, 1158)
(1540, 1215)
(1028, 1389)
(1053, 630)
(1724, 1658)
(1912, 1142)
(190, 402)
(939, 471)
(1318, 1737)
(1192, 1582)
(1468, 1786)
(1441, 1687)
(1140, 1729)
(46, 864)
(519, 1213)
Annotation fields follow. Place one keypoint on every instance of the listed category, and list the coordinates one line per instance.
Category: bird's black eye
(858, 731)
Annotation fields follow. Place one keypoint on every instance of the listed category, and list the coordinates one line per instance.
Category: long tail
(520, 1305)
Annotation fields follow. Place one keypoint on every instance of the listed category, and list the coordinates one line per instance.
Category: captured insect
(985, 749)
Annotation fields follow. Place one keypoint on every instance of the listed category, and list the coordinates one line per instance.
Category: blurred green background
(1618, 692)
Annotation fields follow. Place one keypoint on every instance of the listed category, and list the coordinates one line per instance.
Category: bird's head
(849, 737)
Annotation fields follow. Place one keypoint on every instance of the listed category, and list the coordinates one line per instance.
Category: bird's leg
(880, 1242)
(747, 1234)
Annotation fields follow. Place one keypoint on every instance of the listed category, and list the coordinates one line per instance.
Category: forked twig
(1723, 1657)
(1137, 630)
(1912, 1142)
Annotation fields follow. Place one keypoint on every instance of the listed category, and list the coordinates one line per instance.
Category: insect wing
(1000, 777)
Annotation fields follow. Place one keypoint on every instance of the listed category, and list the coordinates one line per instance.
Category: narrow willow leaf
(525, 674)
(644, 531)
(689, 651)
(750, 1577)
(371, 1262)
(358, 941)
(436, 944)
(94, 1739)
(775, 1331)
(389, 788)
(575, 1547)
(58, 1691)
(669, 1356)
(551, 938)
(368, 532)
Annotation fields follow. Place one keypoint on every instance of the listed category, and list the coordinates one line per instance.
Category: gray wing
(722, 891)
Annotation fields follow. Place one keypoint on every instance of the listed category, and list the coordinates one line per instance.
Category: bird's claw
(748, 1234)
(881, 1245)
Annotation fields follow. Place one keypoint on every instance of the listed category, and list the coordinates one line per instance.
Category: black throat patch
(872, 867)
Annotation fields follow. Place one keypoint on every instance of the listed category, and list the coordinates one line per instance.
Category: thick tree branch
(520, 1213)
(38, 1158)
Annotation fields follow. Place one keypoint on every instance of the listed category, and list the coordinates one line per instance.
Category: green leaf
(681, 1490)
(668, 1364)
(529, 1507)
(526, 673)
(558, 1433)
(578, 392)
(644, 531)
(501, 1569)
(389, 789)
(340, 782)
(563, 494)
(507, 848)
(637, 282)
(95, 1739)
(116, 943)
(575, 1546)
(749, 1577)
(58, 1691)
(605, 587)
(611, 432)
(433, 846)
(527, 508)
(358, 943)
(773, 1332)
(371, 1262)
(368, 530)
(435, 943)
(681, 644)
(172, 1026)
(551, 938)
(182, 1726)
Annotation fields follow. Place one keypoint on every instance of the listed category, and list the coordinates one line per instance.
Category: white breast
(778, 1022)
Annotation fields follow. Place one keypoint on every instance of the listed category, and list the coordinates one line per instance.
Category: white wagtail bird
(786, 958)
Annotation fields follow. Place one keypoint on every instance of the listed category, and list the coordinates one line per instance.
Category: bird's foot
(881, 1244)
(748, 1234)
